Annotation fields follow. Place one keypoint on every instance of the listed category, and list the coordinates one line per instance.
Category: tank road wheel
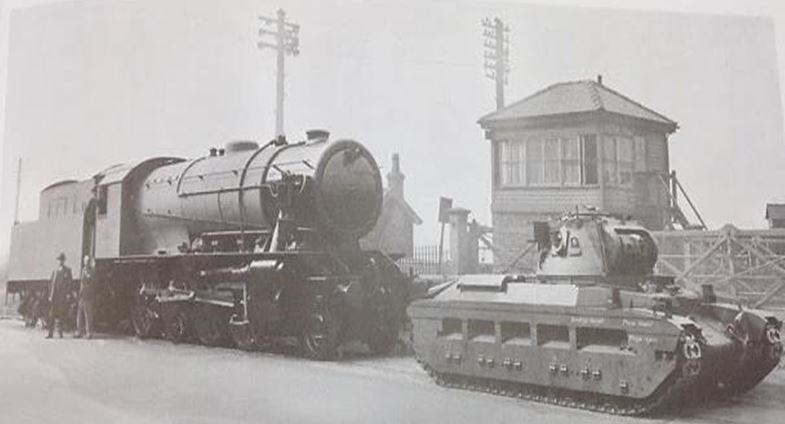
(176, 325)
(321, 336)
(143, 318)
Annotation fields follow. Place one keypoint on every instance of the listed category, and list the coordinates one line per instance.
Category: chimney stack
(395, 177)
(599, 79)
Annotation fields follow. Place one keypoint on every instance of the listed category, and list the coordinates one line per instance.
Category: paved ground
(123, 380)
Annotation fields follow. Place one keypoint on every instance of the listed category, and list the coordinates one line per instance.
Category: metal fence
(425, 261)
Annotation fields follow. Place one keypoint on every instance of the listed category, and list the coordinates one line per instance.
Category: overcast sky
(94, 83)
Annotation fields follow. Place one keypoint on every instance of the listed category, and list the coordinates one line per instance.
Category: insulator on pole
(496, 56)
(285, 42)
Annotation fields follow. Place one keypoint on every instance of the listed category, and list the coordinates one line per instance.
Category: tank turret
(594, 244)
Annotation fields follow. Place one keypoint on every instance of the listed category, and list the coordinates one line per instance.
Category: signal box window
(553, 161)
(626, 159)
(589, 147)
(609, 161)
(513, 157)
(571, 161)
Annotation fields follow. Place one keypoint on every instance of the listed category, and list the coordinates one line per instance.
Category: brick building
(775, 215)
(570, 144)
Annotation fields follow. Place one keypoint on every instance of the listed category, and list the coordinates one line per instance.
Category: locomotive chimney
(317, 135)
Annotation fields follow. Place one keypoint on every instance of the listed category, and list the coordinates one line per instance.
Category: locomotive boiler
(594, 328)
(256, 246)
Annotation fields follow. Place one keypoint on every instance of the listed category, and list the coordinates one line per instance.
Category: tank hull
(571, 345)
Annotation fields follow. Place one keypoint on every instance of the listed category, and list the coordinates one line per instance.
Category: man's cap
(61, 256)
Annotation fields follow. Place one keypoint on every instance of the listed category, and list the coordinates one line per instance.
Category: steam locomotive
(255, 246)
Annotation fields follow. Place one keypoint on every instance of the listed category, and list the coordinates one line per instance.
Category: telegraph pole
(281, 36)
(18, 189)
(497, 55)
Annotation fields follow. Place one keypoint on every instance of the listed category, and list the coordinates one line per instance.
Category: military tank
(593, 328)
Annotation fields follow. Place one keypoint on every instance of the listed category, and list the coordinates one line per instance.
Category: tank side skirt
(671, 390)
(498, 378)
(646, 335)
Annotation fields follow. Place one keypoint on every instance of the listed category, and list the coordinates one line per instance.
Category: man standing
(87, 288)
(58, 291)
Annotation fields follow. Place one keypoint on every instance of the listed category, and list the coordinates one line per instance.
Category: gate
(744, 264)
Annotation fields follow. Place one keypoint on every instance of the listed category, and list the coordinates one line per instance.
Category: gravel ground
(122, 380)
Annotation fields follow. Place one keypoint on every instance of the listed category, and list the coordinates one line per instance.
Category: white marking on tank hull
(637, 324)
(587, 320)
(634, 338)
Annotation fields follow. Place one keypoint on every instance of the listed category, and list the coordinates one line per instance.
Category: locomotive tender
(251, 245)
(593, 328)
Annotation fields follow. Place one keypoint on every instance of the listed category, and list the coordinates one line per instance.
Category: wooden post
(445, 204)
(687, 252)
(674, 199)
(459, 252)
(18, 190)
(731, 267)
(441, 249)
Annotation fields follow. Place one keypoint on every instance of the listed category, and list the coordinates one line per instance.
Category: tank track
(671, 391)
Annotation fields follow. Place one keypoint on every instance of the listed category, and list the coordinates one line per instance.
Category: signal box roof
(576, 97)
